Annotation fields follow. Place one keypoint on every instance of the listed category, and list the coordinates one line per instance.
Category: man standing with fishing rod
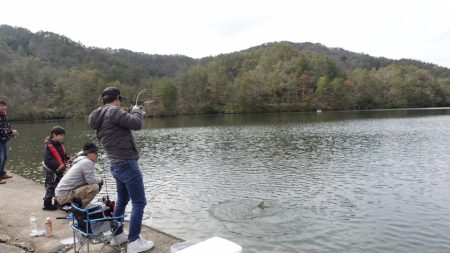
(113, 126)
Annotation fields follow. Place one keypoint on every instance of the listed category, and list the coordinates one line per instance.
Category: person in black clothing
(55, 160)
(6, 133)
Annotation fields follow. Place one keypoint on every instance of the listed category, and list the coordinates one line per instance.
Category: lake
(362, 181)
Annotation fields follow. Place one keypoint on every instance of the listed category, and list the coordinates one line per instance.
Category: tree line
(44, 75)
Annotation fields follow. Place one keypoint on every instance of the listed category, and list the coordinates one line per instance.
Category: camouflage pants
(51, 181)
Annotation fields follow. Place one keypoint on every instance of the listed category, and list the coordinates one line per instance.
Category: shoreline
(20, 197)
(313, 111)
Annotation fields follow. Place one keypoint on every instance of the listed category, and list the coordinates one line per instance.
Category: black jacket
(5, 129)
(114, 126)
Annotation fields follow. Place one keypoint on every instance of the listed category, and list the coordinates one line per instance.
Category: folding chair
(91, 225)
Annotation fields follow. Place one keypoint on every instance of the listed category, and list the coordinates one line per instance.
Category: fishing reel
(111, 205)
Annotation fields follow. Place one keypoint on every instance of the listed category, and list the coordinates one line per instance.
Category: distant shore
(20, 197)
(312, 110)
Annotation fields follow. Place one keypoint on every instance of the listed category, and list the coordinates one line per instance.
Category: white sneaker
(119, 239)
(139, 245)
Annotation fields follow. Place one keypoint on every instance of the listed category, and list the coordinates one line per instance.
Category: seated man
(80, 180)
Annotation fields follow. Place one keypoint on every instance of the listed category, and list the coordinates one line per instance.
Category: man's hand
(135, 108)
(61, 168)
(14, 133)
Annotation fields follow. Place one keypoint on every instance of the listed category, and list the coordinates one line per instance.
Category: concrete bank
(20, 197)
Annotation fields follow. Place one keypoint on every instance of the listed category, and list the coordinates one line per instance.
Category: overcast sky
(415, 29)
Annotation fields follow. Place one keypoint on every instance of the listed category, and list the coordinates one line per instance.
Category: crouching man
(80, 181)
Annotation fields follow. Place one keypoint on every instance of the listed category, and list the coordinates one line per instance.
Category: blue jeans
(130, 185)
(3, 157)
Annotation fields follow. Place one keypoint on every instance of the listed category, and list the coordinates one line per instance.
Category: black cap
(112, 92)
(89, 147)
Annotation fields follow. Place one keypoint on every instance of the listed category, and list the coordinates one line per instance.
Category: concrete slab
(21, 197)
(5, 248)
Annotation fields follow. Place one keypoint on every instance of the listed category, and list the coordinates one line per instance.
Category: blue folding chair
(91, 225)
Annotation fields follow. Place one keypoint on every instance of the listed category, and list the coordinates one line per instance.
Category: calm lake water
(374, 181)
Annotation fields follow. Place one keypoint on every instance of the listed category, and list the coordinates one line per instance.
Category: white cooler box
(213, 245)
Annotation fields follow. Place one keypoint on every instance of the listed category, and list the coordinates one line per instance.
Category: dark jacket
(5, 129)
(114, 126)
(54, 154)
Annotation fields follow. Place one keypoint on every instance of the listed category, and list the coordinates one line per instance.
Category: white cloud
(395, 29)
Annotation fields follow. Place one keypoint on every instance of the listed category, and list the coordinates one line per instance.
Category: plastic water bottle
(33, 224)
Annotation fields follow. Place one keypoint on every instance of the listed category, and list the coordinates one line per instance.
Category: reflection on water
(334, 182)
(247, 218)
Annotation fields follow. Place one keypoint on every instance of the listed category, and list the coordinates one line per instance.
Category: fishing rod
(137, 98)
(104, 178)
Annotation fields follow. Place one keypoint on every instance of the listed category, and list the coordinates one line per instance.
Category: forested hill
(351, 60)
(46, 75)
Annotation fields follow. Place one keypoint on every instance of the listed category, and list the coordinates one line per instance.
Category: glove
(100, 185)
(136, 108)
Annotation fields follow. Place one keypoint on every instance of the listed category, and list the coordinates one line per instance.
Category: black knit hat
(89, 147)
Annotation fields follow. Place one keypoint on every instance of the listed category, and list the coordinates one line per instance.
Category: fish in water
(261, 205)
